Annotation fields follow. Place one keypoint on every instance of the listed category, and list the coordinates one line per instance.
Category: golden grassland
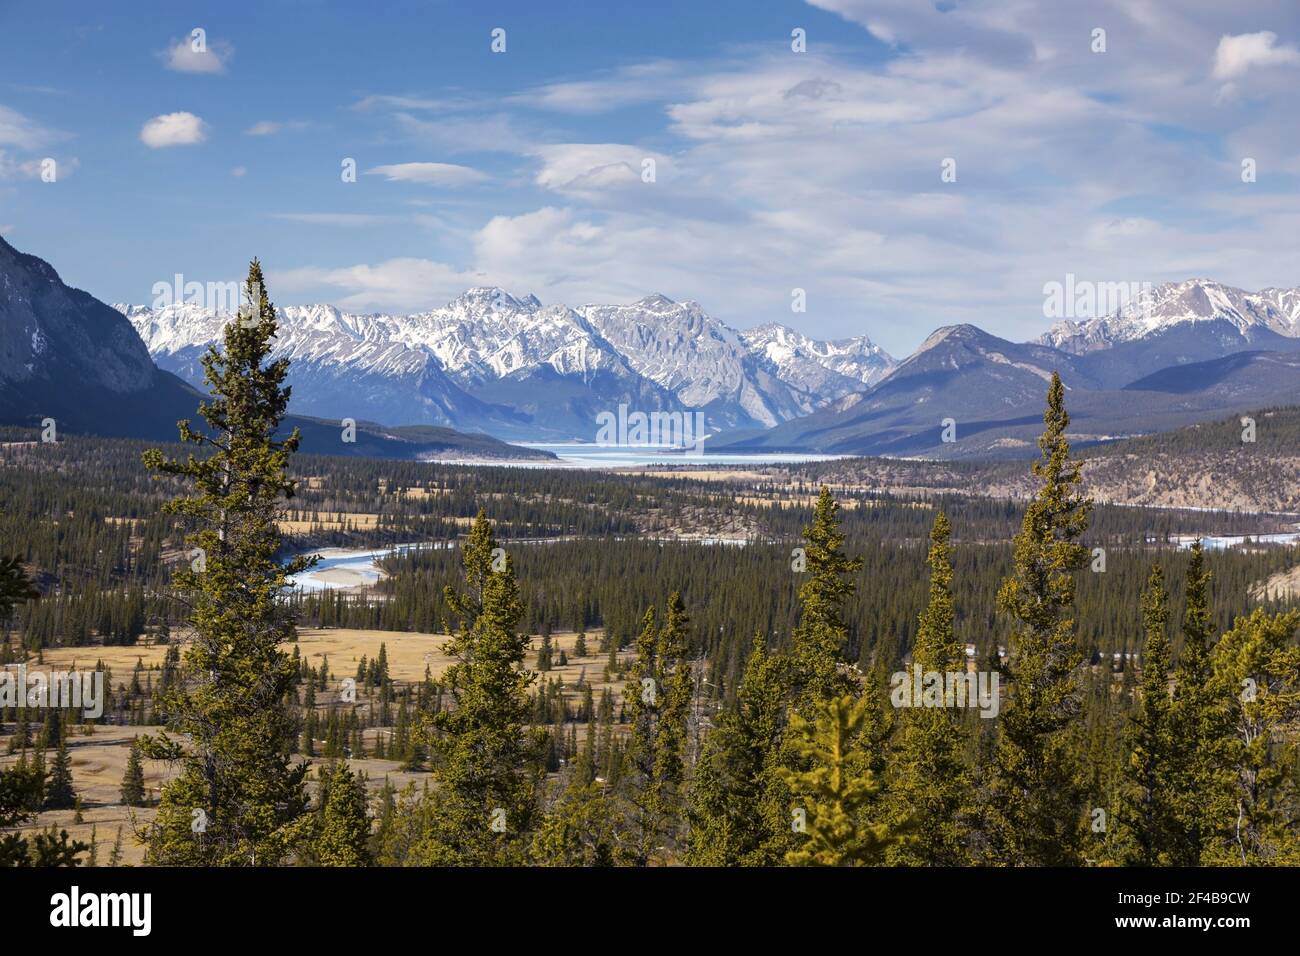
(99, 760)
(330, 521)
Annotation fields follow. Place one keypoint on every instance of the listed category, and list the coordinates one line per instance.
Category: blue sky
(774, 169)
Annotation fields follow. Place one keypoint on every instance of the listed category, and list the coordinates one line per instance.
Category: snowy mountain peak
(1173, 304)
(827, 368)
(486, 339)
(495, 298)
(656, 302)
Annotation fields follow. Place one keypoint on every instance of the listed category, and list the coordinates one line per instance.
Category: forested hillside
(1248, 462)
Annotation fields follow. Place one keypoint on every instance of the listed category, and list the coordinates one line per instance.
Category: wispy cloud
(271, 127)
(429, 174)
(348, 219)
(649, 82)
(388, 101)
(20, 132)
(46, 168)
(401, 284)
(586, 168)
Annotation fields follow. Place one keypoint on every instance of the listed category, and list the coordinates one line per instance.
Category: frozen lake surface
(340, 568)
(1219, 542)
(343, 568)
(580, 455)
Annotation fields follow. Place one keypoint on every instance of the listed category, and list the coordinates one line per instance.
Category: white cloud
(271, 127)
(657, 80)
(402, 284)
(17, 131)
(182, 57)
(12, 168)
(1111, 231)
(239, 171)
(173, 129)
(398, 102)
(471, 133)
(1237, 54)
(594, 167)
(428, 174)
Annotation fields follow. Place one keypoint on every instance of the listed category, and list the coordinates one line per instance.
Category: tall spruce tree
(819, 638)
(1146, 819)
(1199, 729)
(238, 798)
(487, 767)
(929, 781)
(132, 790)
(1034, 807)
(59, 792)
(739, 808)
(668, 784)
(641, 700)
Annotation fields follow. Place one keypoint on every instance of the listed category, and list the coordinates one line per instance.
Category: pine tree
(1146, 821)
(834, 797)
(487, 767)
(22, 735)
(819, 638)
(115, 854)
(930, 781)
(641, 698)
(233, 704)
(51, 730)
(669, 780)
(60, 793)
(1256, 676)
(22, 790)
(1198, 721)
(345, 827)
(15, 588)
(739, 807)
(580, 830)
(1035, 805)
(132, 790)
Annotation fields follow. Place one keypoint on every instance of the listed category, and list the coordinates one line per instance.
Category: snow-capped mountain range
(1163, 307)
(1181, 353)
(518, 369)
(515, 367)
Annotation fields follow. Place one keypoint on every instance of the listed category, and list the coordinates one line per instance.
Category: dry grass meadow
(99, 760)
